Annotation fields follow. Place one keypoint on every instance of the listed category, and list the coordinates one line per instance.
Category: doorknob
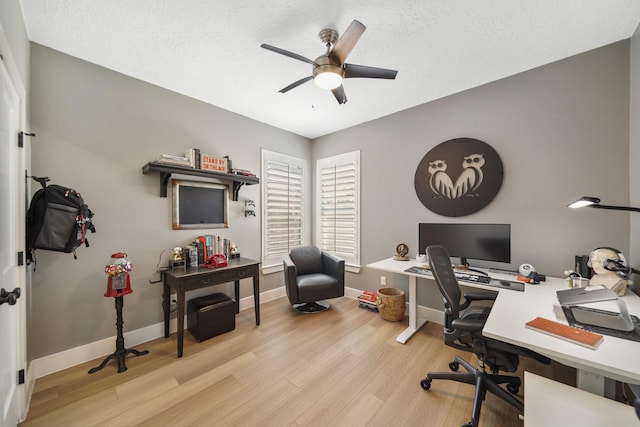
(9, 297)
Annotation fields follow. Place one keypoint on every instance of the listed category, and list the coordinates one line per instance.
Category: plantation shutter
(338, 206)
(283, 206)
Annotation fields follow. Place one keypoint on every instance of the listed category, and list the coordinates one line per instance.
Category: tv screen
(485, 242)
(198, 205)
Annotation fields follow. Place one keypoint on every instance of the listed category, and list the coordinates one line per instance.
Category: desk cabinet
(182, 281)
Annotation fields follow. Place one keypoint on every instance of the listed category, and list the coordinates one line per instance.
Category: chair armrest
(333, 266)
(290, 271)
(469, 325)
(476, 296)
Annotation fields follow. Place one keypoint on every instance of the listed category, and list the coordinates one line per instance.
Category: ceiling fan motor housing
(326, 64)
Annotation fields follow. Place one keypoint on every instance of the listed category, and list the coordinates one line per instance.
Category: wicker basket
(391, 304)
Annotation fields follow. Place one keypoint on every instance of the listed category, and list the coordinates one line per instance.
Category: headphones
(618, 266)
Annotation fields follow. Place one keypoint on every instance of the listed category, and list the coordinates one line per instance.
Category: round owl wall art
(459, 177)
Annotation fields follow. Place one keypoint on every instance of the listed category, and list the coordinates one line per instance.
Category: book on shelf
(193, 154)
(566, 332)
(242, 172)
(170, 159)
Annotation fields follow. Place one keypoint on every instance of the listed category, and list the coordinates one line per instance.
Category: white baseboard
(65, 359)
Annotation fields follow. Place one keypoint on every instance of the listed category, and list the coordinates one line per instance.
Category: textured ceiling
(210, 50)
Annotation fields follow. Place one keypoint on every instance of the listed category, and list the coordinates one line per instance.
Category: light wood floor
(342, 367)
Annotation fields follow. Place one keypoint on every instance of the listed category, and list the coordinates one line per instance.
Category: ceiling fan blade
(295, 84)
(348, 40)
(341, 97)
(353, 70)
(287, 53)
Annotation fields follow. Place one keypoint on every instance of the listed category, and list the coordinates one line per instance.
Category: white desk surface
(550, 403)
(399, 267)
(615, 358)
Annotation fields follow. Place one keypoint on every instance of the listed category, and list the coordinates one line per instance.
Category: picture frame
(199, 205)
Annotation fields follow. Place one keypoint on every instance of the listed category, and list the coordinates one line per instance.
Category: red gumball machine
(118, 285)
(118, 269)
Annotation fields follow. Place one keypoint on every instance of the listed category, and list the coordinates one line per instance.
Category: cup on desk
(421, 258)
(579, 282)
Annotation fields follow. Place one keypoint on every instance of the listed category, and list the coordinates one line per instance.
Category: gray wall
(634, 153)
(562, 131)
(96, 129)
(13, 25)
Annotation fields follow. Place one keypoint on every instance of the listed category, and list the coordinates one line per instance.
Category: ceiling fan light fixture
(328, 80)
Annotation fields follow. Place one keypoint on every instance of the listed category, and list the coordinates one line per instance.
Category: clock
(401, 252)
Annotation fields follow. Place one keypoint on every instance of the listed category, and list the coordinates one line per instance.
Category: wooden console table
(200, 277)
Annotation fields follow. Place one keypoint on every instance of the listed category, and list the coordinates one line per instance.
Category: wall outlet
(173, 303)
(383, 280)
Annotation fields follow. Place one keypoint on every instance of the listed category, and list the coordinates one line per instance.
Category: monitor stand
(464, 266)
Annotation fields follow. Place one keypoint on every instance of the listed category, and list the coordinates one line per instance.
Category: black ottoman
(211, 315)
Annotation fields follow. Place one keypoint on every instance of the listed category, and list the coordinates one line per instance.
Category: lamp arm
(616, 208)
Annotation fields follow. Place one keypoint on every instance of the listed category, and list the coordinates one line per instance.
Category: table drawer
(220, 276)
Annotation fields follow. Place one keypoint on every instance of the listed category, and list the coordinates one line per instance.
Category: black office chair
(463, 325)
(312, 275)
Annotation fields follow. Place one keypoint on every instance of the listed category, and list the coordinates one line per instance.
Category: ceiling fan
(329, 69)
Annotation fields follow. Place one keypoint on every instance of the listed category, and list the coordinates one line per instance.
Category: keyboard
(475, 278)
(469, 277)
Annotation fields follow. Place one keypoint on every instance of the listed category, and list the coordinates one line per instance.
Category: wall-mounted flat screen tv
(198, 205)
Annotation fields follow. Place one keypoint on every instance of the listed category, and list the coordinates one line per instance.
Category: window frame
(272, 264)
(352, 264)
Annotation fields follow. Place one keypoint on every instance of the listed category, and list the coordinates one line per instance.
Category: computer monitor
(484, 242)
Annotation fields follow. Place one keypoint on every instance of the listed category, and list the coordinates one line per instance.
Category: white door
(11, 227)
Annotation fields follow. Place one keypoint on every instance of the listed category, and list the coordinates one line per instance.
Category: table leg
(166, 304)
(596, 384)
(256, 295)
(180, 322)
(415, 322)
(237, 292)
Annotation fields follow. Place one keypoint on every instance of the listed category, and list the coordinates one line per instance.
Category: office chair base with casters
(483, 381)
(312, 307)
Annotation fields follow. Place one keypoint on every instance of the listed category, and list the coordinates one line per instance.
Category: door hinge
(21, 136)
(20, 258)
(21, 376)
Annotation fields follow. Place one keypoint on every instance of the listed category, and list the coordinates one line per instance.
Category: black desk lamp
(594, 202)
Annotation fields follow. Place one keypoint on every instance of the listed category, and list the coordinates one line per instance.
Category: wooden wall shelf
(166, 170)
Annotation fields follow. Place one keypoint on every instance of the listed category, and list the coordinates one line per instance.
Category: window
(284, 219)
(338, 207)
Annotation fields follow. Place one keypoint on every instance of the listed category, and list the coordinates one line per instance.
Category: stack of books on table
(368, 300)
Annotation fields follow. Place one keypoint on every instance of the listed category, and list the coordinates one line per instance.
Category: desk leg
(256, 295)
(237, 292)
(415, 322)
(596, 384)
(180, 322)
(166, 301)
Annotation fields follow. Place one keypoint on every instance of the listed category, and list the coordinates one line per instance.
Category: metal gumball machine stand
(118, 285)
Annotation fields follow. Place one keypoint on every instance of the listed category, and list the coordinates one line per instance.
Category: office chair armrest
(477, 296)
(468, 325)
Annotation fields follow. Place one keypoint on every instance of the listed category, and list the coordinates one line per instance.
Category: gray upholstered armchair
(311, 275)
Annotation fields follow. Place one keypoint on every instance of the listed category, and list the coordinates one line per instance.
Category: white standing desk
(398, 267)
(550, 403)
(615, 358)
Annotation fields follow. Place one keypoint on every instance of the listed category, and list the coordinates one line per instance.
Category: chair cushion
(308, 259)
(316, 287)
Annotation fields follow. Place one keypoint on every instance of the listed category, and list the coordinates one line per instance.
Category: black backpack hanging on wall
(57, 220)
